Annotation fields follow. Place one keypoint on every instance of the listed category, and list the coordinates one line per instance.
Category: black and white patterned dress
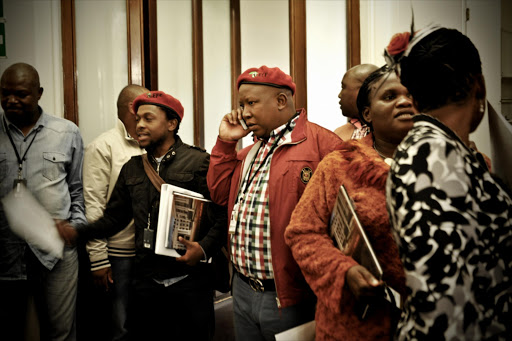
(453, 224)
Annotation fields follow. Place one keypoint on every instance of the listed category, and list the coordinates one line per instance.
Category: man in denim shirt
(46, 153)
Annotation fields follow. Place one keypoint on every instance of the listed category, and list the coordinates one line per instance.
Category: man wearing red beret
(172, 297)
(261, 185)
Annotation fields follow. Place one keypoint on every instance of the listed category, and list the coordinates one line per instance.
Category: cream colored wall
(216, 66)
(32, 35)
(326, 31)
(101, 62)
(264, 35)
(380, 19)
(174, 34)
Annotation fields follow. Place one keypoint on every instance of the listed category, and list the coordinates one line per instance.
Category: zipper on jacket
(157, 165)
(275, 282)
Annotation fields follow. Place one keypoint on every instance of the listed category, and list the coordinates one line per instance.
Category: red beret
(161, 99)
(266, 76)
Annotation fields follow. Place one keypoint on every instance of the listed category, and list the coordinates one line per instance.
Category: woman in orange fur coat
(338, 281)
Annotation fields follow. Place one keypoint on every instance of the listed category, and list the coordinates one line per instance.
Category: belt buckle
(256, 284)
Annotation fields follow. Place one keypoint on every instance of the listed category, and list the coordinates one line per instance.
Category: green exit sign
(2, 40)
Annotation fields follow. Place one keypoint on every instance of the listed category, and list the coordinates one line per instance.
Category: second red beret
(161, 99)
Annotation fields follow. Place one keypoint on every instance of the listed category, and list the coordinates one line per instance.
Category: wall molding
(67, 11)
(353, 34)
(298, 51)
(198, 71)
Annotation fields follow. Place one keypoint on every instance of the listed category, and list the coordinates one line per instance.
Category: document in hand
(31, 222)
(180, 215)
(303, 332)
(349, 236)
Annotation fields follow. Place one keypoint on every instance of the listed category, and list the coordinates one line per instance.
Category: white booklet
(349, 236)
(303, 332)
(31, 222)
(180, 215)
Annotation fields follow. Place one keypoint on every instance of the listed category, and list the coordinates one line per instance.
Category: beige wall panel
(101, 63)
(174, 32)
(216, 58)
(33, 36)
(265, 39)
(326, 28)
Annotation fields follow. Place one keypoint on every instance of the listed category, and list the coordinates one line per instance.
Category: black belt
(259, 285)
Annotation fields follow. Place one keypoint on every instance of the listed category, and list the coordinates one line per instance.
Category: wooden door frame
(143, 51)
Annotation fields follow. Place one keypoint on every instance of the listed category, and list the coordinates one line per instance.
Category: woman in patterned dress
(343, 286)
(452, 218)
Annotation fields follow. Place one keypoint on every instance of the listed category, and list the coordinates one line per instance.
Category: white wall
(33, 36)
(326, 32)
(380, 19)
(265, 38)
(264, 32)
(217, 67)
(101, 62)
(174, 41)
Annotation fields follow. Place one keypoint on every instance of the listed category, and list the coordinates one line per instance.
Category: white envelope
(31, 222)
(304, 332)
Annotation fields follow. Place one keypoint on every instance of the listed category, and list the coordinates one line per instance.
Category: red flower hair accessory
(401, 45)
(398, 43)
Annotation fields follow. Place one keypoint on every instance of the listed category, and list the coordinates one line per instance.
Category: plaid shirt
(250, 244)
(360, 129)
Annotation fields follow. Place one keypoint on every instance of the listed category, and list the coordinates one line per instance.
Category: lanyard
(20, 159)
(272, 148)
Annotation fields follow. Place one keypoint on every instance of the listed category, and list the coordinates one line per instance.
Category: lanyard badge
(234, 217)
(149, 235)
(20, 180)
(16, 186)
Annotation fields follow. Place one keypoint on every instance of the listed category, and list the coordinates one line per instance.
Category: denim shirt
(53, 170)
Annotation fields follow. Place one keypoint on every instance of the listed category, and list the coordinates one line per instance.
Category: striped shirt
(250, 244)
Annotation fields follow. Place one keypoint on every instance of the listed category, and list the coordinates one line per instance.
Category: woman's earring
(482, 107)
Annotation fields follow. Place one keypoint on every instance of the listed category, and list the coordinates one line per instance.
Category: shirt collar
(41, 122)
(122, 129)
(275, 133)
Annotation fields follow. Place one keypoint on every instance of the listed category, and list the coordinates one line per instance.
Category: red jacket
(287, 180)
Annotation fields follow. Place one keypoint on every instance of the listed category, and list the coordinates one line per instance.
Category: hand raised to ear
(230, 128)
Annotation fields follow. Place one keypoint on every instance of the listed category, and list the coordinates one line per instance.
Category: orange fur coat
(357, 166)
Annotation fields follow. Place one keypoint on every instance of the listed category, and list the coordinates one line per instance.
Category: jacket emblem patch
(305, 174)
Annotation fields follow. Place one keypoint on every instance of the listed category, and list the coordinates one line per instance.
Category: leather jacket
(134, 196)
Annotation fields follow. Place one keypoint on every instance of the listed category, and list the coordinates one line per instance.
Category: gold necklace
(386, 159)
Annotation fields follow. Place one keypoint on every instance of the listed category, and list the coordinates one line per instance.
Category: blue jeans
(122, 275)
(257, 316)
(55, 295)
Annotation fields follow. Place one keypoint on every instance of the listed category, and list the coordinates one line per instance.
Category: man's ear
(282, 100)
(366, 115)
(172, 124)
(40, 93)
